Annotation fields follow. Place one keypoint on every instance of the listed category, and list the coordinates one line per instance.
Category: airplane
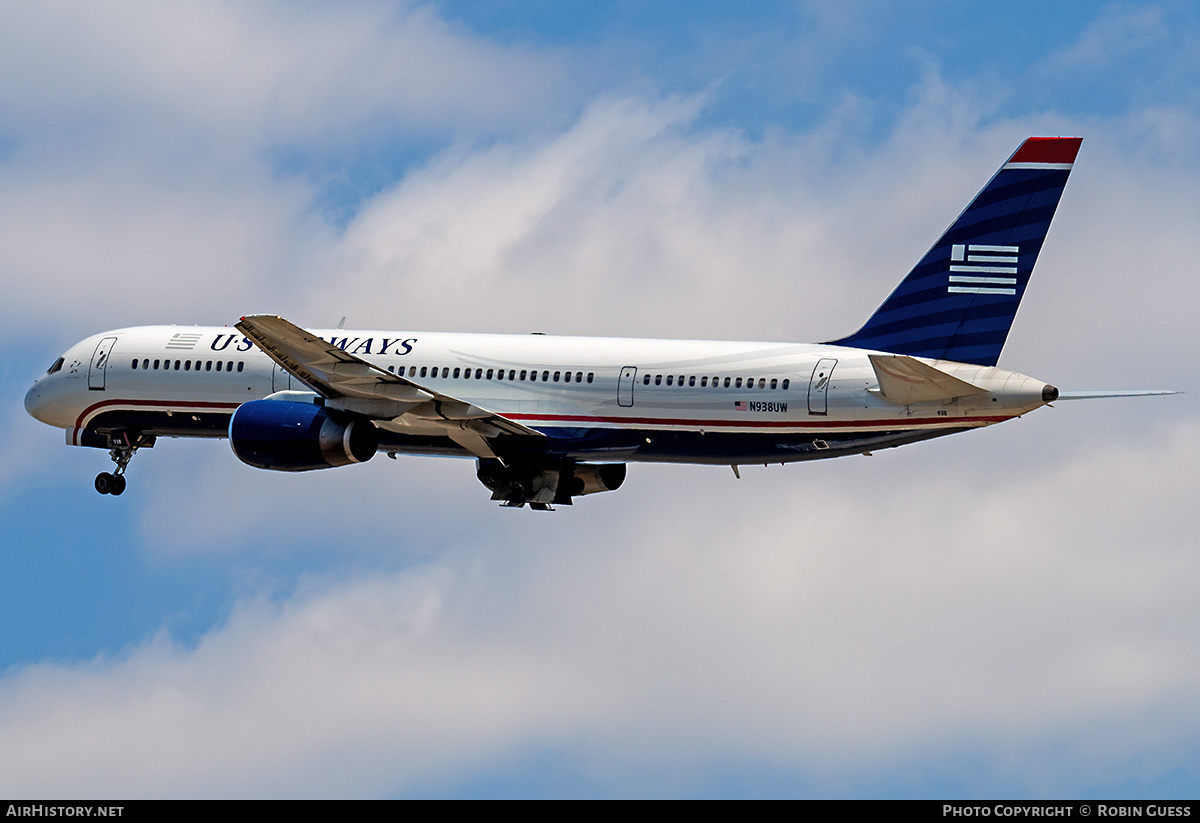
(550, 418)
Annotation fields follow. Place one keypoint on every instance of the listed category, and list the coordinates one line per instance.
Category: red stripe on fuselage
(91, 410)
(890, 424)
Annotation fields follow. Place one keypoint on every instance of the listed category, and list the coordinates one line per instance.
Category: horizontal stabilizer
(1092, 395)
(904, 380)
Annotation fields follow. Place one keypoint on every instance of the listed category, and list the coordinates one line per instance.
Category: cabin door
(100, 364)
(818, 386)
(625, 385)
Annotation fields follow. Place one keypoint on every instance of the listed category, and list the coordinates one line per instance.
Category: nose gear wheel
(124, 446)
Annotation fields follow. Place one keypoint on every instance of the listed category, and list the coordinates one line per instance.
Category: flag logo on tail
(980, 269)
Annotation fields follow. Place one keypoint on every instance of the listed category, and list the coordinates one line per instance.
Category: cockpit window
(58, 364)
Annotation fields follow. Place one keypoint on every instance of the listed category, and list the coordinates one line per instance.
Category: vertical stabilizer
(959, 302)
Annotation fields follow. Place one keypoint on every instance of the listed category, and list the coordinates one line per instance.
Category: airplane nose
(34, 403)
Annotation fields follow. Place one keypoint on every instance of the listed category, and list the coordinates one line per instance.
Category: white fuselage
(606, 399)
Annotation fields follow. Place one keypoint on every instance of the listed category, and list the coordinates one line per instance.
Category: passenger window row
(719, 382)
(187, 365)
(529, 375)
(514, 375)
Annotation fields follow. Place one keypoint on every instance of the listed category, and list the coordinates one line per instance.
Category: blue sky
(1004, 613)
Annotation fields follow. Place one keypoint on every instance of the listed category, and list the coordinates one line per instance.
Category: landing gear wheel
(106, 483)
(122, 448)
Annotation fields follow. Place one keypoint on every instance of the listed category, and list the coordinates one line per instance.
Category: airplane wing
(373, 391)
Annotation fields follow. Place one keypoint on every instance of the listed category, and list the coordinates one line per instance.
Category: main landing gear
(123, 447)
(540, 484)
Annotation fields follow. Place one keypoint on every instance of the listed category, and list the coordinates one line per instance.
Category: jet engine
(589, 478)
(541, 484)
(296, 437)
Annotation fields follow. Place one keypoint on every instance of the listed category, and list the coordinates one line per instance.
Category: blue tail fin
(959, 302)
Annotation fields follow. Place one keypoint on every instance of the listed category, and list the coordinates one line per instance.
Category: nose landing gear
(110, 483)
(123, 447)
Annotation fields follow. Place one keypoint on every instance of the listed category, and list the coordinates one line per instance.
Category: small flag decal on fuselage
(975, 269)
(183, 341)
(740, 405)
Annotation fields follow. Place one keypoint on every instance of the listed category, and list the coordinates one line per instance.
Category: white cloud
(138, 179)
(121, 242)
(1117, 32)
(815, 618)
(656, 226)
(348, 685)
(243, 75)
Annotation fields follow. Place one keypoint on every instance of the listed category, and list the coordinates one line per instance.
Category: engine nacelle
(589, 478)
(520, 483)
(297, 437)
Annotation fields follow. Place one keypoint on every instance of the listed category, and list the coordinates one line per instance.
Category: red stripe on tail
(1048, 150)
